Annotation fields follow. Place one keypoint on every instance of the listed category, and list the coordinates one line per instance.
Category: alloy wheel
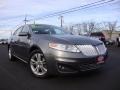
(38, 64)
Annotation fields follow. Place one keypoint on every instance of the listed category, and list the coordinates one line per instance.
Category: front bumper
(77, 66)
(65, 62)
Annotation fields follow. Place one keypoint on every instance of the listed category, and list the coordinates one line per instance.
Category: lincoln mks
(50, 50)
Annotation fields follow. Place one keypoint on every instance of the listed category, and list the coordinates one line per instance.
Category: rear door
(15, 40)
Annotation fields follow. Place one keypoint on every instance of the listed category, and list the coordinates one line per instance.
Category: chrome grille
(88, 50)
(101, 49)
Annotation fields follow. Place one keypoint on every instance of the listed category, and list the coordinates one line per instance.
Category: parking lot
(16, 76)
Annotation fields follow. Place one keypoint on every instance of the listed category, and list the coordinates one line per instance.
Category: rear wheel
(11, 57)
(38, 64)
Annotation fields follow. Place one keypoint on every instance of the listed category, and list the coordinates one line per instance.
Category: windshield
(47, 29)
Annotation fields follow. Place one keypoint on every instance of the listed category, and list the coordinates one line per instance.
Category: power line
(98, 3)
(71, 9)
(87, 7)
(68, 10)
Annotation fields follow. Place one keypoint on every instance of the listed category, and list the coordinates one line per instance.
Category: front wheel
(38, 64)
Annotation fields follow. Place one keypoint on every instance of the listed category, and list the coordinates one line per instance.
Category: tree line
(89, 27)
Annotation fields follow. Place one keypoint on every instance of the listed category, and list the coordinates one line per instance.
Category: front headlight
(63, 47)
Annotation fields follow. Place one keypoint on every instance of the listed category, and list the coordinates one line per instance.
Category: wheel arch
(35, 47)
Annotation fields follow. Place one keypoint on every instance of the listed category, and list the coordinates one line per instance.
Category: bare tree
(110, 27)
(89, 27)
(79, 28)
(74, 29)
(98, 27)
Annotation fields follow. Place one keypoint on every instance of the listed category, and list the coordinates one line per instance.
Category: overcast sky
(12, 12)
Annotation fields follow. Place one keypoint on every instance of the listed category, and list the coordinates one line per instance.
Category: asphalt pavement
(16, 76)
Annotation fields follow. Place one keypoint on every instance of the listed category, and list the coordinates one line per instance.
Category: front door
(24, 44)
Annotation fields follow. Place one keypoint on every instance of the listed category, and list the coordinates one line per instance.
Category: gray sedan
(50, 50)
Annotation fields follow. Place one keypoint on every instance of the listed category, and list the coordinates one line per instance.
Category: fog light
(61, 67)
(66, 68)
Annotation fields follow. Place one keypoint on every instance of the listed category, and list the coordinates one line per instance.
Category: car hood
(70, 39)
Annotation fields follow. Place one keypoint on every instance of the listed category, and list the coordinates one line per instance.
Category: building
(114, 35)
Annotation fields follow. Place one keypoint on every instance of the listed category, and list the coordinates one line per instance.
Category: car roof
(39, 25)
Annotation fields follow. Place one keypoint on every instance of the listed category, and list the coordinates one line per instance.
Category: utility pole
(61, 21)
(34, 22)
(25, 20)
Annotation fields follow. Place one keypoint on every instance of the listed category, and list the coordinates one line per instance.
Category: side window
(25, 29)
(16, 33)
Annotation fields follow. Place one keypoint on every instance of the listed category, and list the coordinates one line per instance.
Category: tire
(38, 64)
(11, 57)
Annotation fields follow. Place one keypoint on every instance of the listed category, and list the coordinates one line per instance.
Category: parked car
(50, 50)
(0, 42)
(3, 41)
(110, 42)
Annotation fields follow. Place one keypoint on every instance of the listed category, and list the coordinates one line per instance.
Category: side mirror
(23, 34)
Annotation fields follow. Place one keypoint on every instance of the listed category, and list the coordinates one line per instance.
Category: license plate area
(100, 60)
